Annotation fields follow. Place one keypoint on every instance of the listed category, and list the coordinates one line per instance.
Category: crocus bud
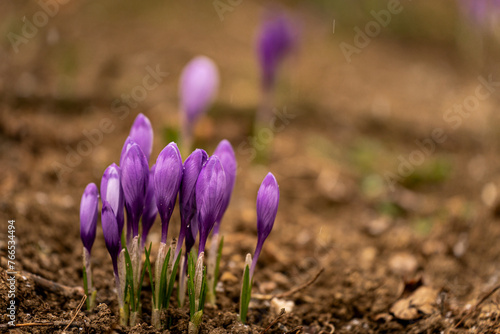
(167, 179)
(88, 215)
(111, 233)
(225, 153)
(112, 192)
(276, 39)
(210, 189)
(267, 207)
(142, 133)
(187, 202)
(135, 177)
(150, 209)
(199, 84)
(128, 142)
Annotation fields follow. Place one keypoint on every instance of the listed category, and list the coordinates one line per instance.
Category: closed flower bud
(187, 200)
(167, 179)
(142, 133)
(88, 215)
(128, 142)
(135, 177)
(150, 209)
(225, 153)
(210, 189)
(267, 207)
(112, 192)
(111, 233)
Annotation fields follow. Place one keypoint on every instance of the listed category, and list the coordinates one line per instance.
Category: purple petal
(88, 215)
(128, 142)
(150, 209)
(187, 202)
(135, 177)
(167, 179)
(210, 189)
(199, 84)
(268, 198)
(142, 133)
(225, 153)
(111, 232)
(267, 205)
(112, 192)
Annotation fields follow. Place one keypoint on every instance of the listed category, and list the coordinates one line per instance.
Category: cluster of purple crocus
(203, 183)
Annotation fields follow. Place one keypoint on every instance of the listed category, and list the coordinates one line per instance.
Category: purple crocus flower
(111, 232)
(276, 39)
(225, 153)
(150, 209)
(128, 142)
(142, 133)
(267, 207)
(187, 201)
(135, 180)
(88, 215)
(112, 192)
(167, 179)
(210, 189)
(199, 84)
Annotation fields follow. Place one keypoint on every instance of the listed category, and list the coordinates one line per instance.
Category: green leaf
(246, 290)
(191, 294)
(162, 302)
(150, 272)
(203, 293)
(217, 264)
(191, 265)
(171, 282)
(129, 286)
(196, 319)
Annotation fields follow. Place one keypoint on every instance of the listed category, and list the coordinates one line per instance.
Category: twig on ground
(46, 284)
(76, 312)
(282, 313)
(57, 288)
(482, 300)
(40, 324)
(292, 291)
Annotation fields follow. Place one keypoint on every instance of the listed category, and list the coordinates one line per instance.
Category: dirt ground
(418, 255)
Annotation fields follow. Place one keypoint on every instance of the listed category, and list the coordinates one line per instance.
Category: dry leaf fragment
(422, 301)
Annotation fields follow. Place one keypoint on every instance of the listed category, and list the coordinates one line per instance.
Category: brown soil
(414, 260)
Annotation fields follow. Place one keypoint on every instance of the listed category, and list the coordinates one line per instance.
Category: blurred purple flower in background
(267, 207)
(111, 192)
(167, 180)
(276, 39)
(481, 12)
(199, 84)
(210, 189)
(88, 215)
